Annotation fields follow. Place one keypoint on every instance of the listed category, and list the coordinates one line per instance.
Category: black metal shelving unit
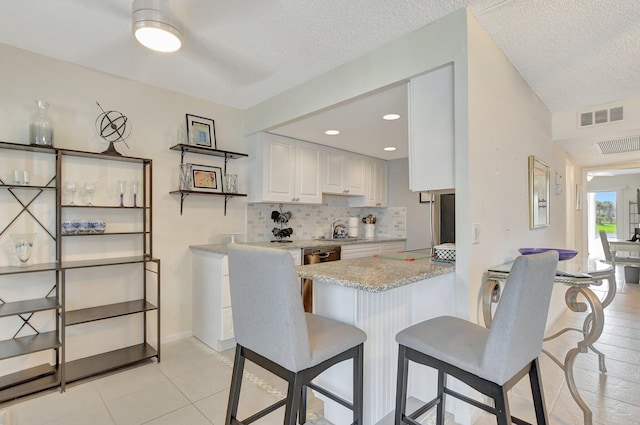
(227, 155)
(47, 376)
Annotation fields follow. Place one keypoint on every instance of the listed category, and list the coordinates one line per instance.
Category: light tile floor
(190, 385)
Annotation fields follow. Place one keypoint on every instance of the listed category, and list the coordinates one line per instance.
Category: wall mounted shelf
(227, 155)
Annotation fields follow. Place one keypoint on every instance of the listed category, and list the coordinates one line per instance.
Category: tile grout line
(259, 382)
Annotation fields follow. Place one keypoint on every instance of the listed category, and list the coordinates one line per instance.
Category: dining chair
(610, 256)
(489, 360)
(273, 331)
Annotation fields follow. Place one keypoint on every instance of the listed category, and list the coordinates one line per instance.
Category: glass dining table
(579, 275)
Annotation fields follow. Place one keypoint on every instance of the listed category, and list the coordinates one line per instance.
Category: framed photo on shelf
(201, 131)
(206, 178)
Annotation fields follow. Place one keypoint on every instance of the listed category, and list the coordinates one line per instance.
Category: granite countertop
(374, 274)
(305, 243)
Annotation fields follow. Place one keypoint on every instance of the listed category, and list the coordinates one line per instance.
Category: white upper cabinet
(381, 172)
(431, 131)
(343, 173)
(376, 185)
(284, 170)
(308, 172)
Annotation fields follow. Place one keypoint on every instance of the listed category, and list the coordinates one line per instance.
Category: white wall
(155, 115)
(417, 214)
(507, 123)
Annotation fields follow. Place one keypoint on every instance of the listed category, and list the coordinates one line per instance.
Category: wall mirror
(539, 173)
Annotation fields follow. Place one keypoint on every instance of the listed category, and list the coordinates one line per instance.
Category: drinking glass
(72, 187)
(231, 183)
(185, 177)
(23, 243)
(122, 189)
(135, 187)
(89, 190)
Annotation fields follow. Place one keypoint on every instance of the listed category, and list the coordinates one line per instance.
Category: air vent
(625, 144)
(616, 114)
(601, 116)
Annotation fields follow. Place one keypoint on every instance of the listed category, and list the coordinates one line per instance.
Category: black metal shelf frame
(27, 338)
(46, 376)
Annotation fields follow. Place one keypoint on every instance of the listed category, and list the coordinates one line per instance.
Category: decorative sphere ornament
(113, 127)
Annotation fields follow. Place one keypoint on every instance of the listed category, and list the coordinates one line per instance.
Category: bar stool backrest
(517, 329)
(268, 316)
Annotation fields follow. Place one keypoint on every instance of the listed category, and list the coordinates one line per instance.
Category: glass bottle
(41, 127)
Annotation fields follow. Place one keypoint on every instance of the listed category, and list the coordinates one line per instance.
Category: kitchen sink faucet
(334, 225)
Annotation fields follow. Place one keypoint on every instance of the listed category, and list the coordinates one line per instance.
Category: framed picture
(206, 178)
(425, 197)
(201, 131)
(539, 176)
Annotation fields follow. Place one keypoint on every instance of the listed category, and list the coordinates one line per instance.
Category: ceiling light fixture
(332, 132)
(390, 148)
(155, 26)
(391, 117)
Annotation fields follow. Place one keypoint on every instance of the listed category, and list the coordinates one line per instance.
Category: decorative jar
(41, 127)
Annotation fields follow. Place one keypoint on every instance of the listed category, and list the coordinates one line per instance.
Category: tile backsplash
(312, 221)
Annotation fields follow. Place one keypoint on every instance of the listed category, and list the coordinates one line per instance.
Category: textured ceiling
(573, 53)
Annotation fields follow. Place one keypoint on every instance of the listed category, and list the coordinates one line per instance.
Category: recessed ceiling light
(390, 148)
(391, 117)
(332, 132)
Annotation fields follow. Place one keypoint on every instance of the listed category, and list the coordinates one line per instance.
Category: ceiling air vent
(625, 144)
(601, 116)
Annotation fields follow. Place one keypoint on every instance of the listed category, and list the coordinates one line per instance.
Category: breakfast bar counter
(381, 295)
(375, 274)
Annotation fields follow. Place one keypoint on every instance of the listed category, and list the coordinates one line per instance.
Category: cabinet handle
(345, 191)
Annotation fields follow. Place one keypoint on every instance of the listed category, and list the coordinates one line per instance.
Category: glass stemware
(23, 243)
(135, 187)
(122, 189)
(89, 190)
(72, 187)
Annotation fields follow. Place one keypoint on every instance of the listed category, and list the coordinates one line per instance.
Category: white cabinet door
(360, 250)
(381, 175)
(285, 170)
(343, 173)
(279, 168)
(431, 131)
(296, 253)
(308, 171)
(334, 178)
(370, 249)
(376, 185)
(355, 172)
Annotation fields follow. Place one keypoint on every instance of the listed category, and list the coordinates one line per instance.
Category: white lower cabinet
(370, 249)
(212, 316)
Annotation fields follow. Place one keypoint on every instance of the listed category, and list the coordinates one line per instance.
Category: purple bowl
(563, 254)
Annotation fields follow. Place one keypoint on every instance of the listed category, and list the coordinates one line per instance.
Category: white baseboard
(174, 337)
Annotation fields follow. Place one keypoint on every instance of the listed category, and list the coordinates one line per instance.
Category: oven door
(314, 256)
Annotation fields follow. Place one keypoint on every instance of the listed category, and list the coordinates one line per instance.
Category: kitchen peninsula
(381, 295)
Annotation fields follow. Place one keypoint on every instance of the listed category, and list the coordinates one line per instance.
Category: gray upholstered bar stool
(273, 331)
(489, 360)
